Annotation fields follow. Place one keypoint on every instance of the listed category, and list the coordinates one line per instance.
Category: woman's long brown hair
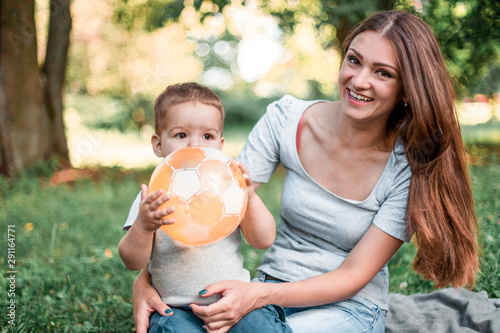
(440, 207)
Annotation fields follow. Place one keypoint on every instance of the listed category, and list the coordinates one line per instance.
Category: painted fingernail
(203, 292)
(168, 311)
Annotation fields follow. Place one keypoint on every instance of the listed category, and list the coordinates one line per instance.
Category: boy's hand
(248, 180)
(150, 218)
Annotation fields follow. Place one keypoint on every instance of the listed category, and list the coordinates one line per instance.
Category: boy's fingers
(151, 198)
(160, 201)
(144, 192)
(167, 222)
(160, 214)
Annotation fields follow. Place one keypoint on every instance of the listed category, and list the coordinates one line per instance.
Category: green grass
(71, 279)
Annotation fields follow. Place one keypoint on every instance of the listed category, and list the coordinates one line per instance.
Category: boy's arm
(135, 246)
(258, 225)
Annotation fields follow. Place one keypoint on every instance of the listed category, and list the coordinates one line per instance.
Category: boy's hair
(185, 92)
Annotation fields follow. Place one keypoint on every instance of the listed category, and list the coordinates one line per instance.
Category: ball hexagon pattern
(208, 191)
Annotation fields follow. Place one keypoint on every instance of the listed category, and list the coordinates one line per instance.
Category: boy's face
(189, 124)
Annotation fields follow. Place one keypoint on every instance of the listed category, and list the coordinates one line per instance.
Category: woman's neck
(359, 135)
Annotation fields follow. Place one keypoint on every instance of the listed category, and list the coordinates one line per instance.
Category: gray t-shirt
(179, 271)
(318, 229)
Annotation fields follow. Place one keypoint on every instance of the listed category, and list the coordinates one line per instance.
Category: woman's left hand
(237, 299)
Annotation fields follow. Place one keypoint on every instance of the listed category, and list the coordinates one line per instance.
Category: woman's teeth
(359, 98)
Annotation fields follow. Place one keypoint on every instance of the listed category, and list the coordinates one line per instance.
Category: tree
(31, 122)
(469, 36)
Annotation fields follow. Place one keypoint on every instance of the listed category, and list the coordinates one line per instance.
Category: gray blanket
(446, 310)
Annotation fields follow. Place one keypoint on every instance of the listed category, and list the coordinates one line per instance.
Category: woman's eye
(207, 136)
(181, 135)
(353, 60)
(384, 73)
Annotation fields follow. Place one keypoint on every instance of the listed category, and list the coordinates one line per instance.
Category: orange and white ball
(208, 191)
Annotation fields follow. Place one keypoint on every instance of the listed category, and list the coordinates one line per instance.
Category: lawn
(69, 277)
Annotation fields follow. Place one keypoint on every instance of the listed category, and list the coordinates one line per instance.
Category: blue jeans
(269, 318)
(353, 315)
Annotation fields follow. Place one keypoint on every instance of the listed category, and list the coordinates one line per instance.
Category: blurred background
(78, 80)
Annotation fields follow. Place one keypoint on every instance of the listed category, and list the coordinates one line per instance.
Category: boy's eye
(207, 136)
(181, 135)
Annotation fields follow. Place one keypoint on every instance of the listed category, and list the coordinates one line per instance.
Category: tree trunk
(54, 70)
(28, 130)
(24, 123)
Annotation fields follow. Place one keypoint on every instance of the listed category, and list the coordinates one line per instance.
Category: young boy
(189, 114)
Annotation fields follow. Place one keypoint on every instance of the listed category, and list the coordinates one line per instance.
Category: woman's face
(369, 79)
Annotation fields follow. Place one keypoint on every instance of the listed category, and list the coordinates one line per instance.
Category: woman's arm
(146, 300)
(366, 259)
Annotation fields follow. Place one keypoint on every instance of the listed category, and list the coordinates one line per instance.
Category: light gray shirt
(179, 271)
(318, 229)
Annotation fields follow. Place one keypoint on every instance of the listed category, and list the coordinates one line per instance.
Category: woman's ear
(156, 144)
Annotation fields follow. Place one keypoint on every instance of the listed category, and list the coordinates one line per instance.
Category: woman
(364, 174)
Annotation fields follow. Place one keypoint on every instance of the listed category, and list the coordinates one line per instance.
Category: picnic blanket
(447, 310)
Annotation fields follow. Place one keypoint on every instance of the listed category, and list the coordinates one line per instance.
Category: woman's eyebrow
(375, 63)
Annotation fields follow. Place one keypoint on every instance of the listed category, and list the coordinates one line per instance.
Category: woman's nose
(361, 80)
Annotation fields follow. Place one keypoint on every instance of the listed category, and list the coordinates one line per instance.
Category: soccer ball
(208, 191)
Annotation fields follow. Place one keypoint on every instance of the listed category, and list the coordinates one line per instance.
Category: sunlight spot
(29, 226)
(108, 253)
(218, 77)
(257, 55)
(202, 50)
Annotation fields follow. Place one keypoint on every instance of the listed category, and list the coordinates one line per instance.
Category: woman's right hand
(146, 301)
(237, 299)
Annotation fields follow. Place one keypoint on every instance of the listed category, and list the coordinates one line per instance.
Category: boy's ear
(221, 143)
(156, 144)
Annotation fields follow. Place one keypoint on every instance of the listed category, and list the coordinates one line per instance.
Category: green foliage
(243, 109)
(154, 14)
(342, 15)
(124, 113)
(487, 134)
(469, 36)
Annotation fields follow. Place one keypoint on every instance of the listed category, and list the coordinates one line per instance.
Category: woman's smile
(358, 98)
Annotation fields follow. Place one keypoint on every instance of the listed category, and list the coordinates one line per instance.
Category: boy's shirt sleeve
(133, 213)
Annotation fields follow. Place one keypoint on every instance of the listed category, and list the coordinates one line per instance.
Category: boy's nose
(194, 142)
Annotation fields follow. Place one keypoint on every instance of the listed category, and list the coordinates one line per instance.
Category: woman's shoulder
(400, 167)
(293, 103)
(288, 107)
